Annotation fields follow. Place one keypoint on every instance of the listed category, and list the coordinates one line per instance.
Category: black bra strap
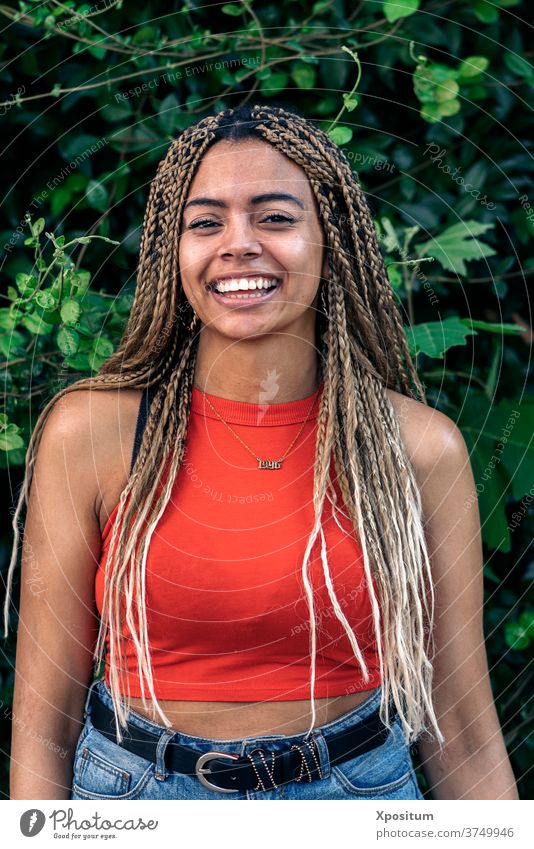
(144, 406)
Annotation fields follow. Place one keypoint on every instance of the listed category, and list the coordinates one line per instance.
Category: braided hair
(363, 350)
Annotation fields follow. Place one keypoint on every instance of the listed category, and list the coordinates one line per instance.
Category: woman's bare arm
(58, 620)
(474, 763)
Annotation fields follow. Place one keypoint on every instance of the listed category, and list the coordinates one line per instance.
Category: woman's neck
(255, 372)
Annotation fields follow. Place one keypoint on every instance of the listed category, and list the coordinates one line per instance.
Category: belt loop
(322, 753)
(87, 706)
(161, 770)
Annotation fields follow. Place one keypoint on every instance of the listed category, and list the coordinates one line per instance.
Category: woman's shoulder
(97, 428)
(429, 436)
(95, 413)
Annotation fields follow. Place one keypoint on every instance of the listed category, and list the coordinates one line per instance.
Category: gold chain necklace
(264, 464)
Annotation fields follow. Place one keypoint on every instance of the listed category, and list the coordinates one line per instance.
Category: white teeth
(244, 284)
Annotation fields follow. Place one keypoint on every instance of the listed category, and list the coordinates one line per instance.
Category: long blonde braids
(363, 351)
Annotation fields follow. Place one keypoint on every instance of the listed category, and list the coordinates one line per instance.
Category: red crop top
(227, 614)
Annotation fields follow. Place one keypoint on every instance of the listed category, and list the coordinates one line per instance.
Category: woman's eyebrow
(268, 196)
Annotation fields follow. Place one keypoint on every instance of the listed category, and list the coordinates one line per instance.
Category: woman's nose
(239, 237)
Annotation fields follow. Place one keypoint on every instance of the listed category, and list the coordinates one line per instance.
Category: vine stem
(354, 87)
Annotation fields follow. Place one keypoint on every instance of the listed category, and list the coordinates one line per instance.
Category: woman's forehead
(248, 167)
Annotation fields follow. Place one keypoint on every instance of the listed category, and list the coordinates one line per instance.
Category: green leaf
(232, 9)
(97, 195)
(395, 9)
(26, 283)
(457, 244)
(38, 226)
(515, 636)
(68, 341)
(7, 319)
(519, 65)
(119, 110)
(435, 83)
(494, 327)
(340, 135)
(486, 11)
(170, 114)
(35, 324)
(526, 620)
(46, 300)
(11, 344)
(103, 347)
(70, 312)
(78, 361)
(350, 101)
(431, 112)
(304, 75)
(433, 338)
(80, 281)
(274, 84)
(60, 199)
(448, 108)
(96, 51)
(473, 66)
(239, 75)
(9, 437)
(447, 90)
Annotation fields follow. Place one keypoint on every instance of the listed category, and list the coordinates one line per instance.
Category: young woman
(256, 520)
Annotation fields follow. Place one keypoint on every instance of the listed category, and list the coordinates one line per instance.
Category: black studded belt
(260, 769)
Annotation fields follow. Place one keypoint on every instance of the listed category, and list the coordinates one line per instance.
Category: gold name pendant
(269, 464)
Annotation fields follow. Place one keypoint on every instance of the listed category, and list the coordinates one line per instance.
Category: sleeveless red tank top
(227, 613)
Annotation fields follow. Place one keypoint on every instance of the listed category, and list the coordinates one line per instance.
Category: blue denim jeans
(104, 770)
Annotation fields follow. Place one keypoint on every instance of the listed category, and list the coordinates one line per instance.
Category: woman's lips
(247, 301)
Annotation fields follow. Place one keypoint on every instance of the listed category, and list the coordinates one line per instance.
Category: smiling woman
(258, 233)
(250, 515)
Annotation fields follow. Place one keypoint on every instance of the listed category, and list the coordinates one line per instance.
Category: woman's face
(251, 214)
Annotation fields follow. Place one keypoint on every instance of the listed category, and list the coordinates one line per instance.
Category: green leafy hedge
(429, 104)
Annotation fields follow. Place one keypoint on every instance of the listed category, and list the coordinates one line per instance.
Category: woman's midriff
(224, 720)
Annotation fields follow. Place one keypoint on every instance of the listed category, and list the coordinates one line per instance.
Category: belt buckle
(200, 770)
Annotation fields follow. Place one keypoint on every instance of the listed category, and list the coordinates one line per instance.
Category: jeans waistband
(346, 720)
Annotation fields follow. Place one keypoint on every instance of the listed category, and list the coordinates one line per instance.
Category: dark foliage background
(430, 102)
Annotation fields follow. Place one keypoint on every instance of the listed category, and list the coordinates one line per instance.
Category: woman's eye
(200, 223)
(271, 218)
(280, 217)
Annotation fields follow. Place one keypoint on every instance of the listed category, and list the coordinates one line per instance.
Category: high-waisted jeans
(105, 770)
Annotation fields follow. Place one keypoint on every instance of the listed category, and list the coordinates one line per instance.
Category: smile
(244, 291)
